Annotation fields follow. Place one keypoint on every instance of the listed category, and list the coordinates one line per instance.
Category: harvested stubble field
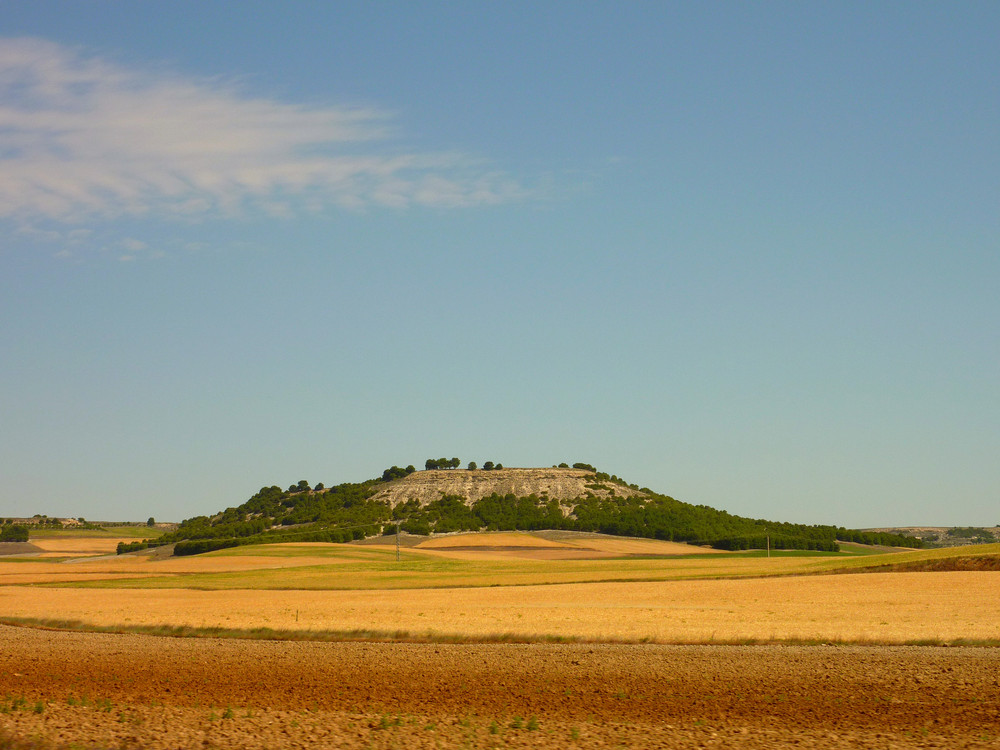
(617, 685)
(150, 692)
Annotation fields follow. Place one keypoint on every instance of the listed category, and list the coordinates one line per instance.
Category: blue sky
(743, 254)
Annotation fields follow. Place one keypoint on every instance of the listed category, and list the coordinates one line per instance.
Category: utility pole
(397, 541)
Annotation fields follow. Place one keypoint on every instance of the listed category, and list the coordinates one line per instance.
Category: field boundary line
(431, 637)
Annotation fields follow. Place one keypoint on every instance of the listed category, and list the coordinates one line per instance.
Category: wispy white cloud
(84, 138)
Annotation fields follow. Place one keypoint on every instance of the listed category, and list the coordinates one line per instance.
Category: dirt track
(144, 691)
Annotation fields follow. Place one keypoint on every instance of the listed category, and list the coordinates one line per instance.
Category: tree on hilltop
(442, 463)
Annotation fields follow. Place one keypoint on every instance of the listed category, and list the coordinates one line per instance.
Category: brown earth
(561, 484)
(144, 691)
(975, 562)
(18, 548)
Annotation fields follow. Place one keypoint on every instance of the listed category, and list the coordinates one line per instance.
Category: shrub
(14, 534)
(124, 547)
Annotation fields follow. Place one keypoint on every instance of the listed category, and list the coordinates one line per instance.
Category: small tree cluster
(442, 463)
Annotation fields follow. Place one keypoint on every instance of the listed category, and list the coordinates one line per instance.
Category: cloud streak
(83, 138)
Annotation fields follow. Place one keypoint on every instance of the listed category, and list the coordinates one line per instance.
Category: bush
(124, 547)
(14, 534)
(395, 472)
(203, 545)
(421, 528)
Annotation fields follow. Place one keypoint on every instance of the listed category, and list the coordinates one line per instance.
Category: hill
(436, 501)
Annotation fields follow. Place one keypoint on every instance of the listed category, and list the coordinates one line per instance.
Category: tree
(151, 521)
(472, 466)
(455, 463)
(488, 466)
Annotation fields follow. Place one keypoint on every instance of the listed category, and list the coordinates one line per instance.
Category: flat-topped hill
(556, 484)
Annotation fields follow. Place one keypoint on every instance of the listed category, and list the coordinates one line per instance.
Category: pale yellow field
(885, 607)
(67, 546)
(621, 546)
(131, 566)
(525, 546)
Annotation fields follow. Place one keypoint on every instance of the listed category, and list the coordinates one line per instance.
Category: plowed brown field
(153, 692)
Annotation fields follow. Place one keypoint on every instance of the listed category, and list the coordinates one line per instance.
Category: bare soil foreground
(134, 691)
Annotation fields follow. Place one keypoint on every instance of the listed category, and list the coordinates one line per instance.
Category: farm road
(170, 692)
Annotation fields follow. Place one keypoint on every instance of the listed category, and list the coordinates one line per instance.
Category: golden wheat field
(880, 607)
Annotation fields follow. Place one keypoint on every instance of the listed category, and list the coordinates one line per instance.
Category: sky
(746, 255)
